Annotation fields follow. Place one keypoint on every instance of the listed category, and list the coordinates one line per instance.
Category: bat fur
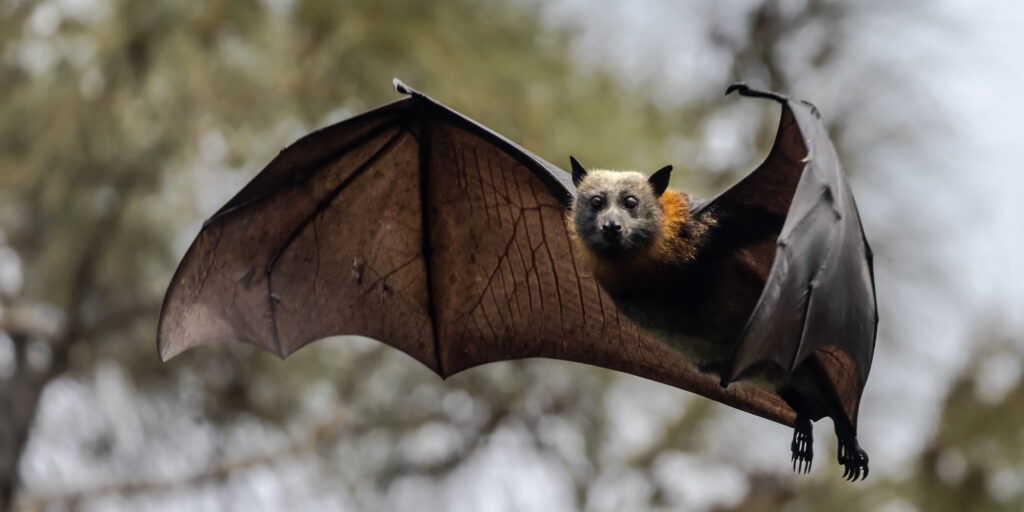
(642, 243)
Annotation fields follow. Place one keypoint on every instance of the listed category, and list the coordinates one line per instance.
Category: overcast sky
(950, 202)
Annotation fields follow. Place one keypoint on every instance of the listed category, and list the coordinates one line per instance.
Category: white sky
(949, 203)
(955, 206)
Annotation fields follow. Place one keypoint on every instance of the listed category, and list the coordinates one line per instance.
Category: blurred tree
(119, 116)
(123, 124)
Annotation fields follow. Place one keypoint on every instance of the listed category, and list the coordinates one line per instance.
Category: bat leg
(851, 456)
(802, 445)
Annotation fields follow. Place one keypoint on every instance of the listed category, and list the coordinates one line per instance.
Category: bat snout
(611, 230)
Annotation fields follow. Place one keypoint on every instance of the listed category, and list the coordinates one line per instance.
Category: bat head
(617, 213)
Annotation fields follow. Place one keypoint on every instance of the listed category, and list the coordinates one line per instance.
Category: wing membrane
(818, 304)
(328, 240)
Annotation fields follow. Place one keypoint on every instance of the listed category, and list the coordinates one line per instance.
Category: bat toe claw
(853, 459)
(802, 445)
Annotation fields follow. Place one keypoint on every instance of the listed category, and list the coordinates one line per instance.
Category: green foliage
(125, 125)
(122, 128)
(97, 147)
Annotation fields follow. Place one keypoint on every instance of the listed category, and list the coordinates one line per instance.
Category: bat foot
(802, 445)
(853, 459)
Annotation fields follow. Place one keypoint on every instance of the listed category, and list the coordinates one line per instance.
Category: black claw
(400, 86)
(745, 90)
(853, 459)
(740, 86)
(802, 446)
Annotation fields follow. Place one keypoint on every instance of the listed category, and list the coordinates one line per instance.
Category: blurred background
(124, 124)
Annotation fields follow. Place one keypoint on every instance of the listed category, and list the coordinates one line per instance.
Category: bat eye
(630, 202)
(596, 202)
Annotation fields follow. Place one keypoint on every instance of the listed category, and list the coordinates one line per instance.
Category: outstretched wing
(819, 298)
(418, 227)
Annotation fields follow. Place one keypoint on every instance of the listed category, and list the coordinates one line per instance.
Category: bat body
(691, 276)
(653, 256)
(761, 298)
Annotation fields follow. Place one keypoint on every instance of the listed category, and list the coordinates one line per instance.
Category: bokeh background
(123, 124)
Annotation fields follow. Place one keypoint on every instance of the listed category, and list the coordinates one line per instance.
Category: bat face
(616, 213)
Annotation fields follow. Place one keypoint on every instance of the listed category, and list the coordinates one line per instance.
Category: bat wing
(414, 225)
(818, 305)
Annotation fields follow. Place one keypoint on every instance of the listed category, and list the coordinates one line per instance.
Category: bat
(416, 226)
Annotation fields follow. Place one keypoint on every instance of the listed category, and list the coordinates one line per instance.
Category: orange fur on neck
(669, 246)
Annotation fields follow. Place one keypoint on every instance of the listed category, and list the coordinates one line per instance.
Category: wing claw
(744, 90)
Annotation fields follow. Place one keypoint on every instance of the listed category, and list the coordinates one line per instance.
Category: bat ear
(659, 180)
(578, 172)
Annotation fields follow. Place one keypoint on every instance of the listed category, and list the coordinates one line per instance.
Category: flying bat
(416, 226)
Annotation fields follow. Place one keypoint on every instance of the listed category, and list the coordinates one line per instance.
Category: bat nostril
(611, 227)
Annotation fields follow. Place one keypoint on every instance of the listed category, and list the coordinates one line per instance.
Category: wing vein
(554, 270)
(427, 248)
(302, 175)
(576, 274)
(272, 298)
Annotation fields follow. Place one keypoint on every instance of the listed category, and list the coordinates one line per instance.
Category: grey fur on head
(617, 212)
